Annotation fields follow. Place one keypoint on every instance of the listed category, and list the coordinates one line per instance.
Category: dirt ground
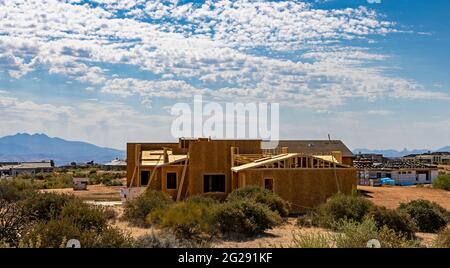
(278, 237)
(93, 193)
(391, 197)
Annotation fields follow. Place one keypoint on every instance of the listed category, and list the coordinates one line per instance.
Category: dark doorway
(268, 184)
(145, 177)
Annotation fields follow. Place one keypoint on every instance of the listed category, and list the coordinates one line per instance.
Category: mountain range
(395, 153)
(24, 147)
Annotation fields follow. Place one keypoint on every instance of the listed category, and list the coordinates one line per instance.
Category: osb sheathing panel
(347, 161)
(304, 188)
(131, 155)
(214, 157)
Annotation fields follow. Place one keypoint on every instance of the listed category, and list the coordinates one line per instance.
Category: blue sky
(372, 73)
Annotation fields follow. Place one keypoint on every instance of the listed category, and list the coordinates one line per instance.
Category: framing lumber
(183, 175)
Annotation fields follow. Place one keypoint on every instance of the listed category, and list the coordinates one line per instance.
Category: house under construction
(304, 173)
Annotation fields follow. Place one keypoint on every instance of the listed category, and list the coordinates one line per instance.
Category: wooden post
(183, 175)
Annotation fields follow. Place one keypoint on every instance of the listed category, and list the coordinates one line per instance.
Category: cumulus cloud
(225, 49)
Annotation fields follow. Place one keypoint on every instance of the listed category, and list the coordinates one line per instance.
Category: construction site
(305, 173)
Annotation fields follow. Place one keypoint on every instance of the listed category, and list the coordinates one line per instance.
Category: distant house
(32, 168)
(403, 172)
(115, 165)
(440, 158)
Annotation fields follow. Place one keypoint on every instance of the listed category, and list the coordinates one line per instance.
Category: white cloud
(217, 46)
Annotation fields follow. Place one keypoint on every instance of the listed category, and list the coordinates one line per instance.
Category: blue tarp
(387, 181)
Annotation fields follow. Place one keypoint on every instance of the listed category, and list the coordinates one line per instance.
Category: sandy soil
(94, 192)
(391, 197)
(279, 237)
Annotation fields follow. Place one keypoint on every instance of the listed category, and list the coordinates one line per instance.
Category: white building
(430, 158)
(402, 172)
(31, 168)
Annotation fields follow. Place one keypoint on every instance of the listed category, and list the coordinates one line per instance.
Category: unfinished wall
(304, 188)
(214, 157)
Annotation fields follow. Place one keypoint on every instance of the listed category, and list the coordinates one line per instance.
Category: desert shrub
(187, 220)
(353, 234)
(52, 233)
(56, 232)
(443, 239)
(25, 182)
(166, 240)
(4, 244)
(84, 216)
(136, 210)
(203, 199)
(428, 216)
(57, 181)
(395, 220)
(9, 192)
(442, 182)
(263, 196)
(245, 217)
(312, 240)
(110, 237)
(343, 207)
(44, 206)
(114, 182)
(13, 222)
(310, 219)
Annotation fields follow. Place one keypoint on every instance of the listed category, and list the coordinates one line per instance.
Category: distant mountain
(444, 149)
(38, 147)
(395, 153)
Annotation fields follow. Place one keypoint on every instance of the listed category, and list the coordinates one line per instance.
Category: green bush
(442, 182)
(57, 181)
(52, 234)
(351, 234)
(108, 238)
(166, 240)
(312, 240)
(25, 182)
(356, 235)
(45, 206)
(245, 217)
(136, 210)
(263, 196)
(9, 192)
(395, 220)
(84, 216)
(56, 232)
(187, 220)
(343, 207)
(428, 216)
(443, 239)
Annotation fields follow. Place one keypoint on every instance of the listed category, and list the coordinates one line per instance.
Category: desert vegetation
(63, 178)
(442, 182)
(352, 221)
(32, 218)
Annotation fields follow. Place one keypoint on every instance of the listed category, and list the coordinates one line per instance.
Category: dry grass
(391, 197)
(93, 193)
